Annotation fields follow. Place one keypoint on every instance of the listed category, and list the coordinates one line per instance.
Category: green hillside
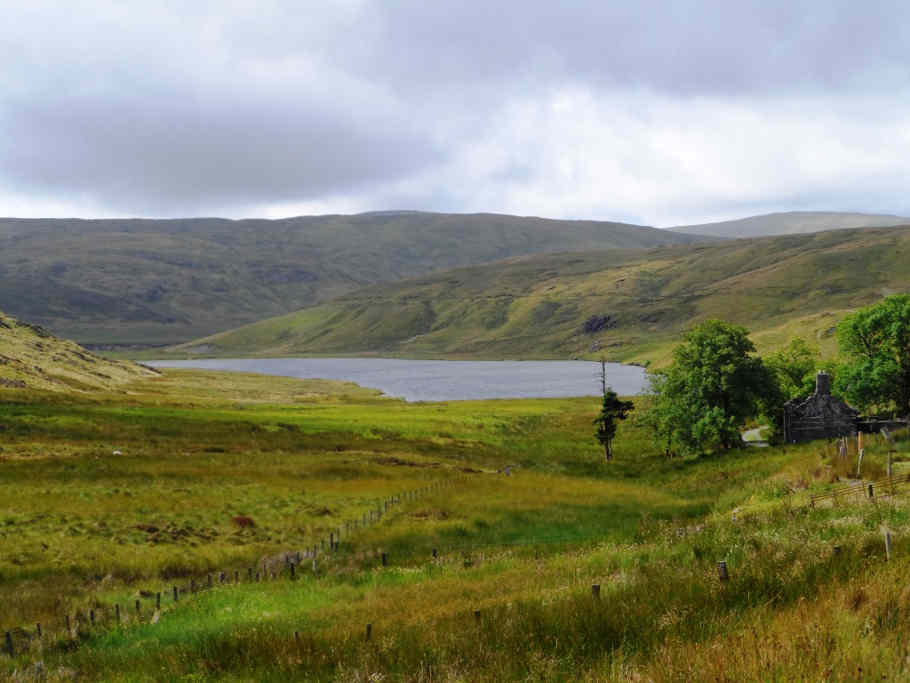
(634, 303)
(30, 357)
(148, 282)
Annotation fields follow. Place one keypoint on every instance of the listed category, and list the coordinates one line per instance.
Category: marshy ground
(109, 498)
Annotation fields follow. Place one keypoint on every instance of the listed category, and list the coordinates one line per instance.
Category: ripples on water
(443, 380)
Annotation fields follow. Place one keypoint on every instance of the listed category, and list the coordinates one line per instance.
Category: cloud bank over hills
(652, 114)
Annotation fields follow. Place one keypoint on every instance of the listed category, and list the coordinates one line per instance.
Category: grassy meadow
(108, 498)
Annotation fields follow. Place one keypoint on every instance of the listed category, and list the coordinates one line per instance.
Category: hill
(148, 282)
(791, 223)
(626, 304)
(30, 357)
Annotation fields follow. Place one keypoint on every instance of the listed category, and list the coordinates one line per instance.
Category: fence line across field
(20, 639)
(863, 488)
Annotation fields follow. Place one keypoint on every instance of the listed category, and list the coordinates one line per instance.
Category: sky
(657, 113)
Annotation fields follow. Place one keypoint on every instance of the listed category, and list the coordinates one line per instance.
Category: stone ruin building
(821, 416)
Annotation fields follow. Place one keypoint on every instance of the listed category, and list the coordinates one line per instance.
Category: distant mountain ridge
(791, 223)
(156, 282)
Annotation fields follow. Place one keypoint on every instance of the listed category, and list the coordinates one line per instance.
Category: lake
(443, 380)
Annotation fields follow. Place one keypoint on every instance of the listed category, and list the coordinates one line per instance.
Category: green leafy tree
(877, 342)
(795, 367)
(714, 385)
(612, 410)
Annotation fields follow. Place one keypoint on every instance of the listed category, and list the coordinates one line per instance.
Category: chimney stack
(823, 383)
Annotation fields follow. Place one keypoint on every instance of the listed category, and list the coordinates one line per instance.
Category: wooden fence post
(595, 591)
(117, 612)
(871, 492)
(138, 611)
(176, 594)
(38, 629)
(369, 631)
(385, 560)
(9, 644)
(158, 600)
(293, 575)
(68, 629)
(722, 572)
(91, 617)
(887, 546)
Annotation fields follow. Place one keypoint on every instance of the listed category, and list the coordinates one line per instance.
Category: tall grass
(521, 550)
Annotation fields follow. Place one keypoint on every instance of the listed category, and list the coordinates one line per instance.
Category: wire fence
(80, 623)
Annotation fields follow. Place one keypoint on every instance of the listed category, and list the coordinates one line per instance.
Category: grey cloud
(209, 107)
(189, 150)
(680, 46)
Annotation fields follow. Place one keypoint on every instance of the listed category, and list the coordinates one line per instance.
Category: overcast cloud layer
(651, 112)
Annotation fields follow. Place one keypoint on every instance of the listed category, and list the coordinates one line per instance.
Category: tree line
(716, 382)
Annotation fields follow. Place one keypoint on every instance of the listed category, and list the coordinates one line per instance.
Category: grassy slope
(163, 281)
(536, 307)
(301, 457)
(31, 357)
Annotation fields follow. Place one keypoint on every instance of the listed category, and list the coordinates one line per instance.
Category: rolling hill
(791, 223)
(155, 282)
(30, 357)
(629, 304)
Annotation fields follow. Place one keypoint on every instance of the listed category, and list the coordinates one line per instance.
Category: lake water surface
(443, 380)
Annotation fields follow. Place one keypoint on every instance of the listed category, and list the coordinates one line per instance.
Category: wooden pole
(157, 600)
(117, 612)
(9, 644)
(722, 572)
(369, 631)
(137, 609)
(385, 560)
(176, 594)
(595, 591)
(887, 546)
